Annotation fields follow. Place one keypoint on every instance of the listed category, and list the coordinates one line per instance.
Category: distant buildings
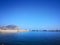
(45, 30)
(14, 27)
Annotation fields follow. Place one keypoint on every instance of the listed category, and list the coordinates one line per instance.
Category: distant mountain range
(9, 27)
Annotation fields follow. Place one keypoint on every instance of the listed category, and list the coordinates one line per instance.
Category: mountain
(9, 27)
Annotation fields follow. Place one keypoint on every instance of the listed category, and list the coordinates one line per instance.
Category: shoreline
(13, 31)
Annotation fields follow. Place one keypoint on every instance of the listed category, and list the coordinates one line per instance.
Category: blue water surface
(30, 38)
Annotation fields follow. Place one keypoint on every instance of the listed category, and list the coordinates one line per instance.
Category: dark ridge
(11, 27)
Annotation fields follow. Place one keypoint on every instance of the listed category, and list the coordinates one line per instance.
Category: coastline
(13, 31)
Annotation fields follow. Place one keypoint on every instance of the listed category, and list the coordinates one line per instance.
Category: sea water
(30, 38)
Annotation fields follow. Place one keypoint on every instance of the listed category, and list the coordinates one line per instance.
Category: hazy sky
(31, 14)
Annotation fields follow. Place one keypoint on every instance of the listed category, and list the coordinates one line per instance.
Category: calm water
(30, 38)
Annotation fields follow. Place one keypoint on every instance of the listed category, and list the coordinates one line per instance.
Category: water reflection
(30, 38)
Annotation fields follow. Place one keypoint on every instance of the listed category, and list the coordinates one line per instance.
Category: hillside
(9, 27)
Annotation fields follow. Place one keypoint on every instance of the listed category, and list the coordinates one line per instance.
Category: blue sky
(31, 14)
